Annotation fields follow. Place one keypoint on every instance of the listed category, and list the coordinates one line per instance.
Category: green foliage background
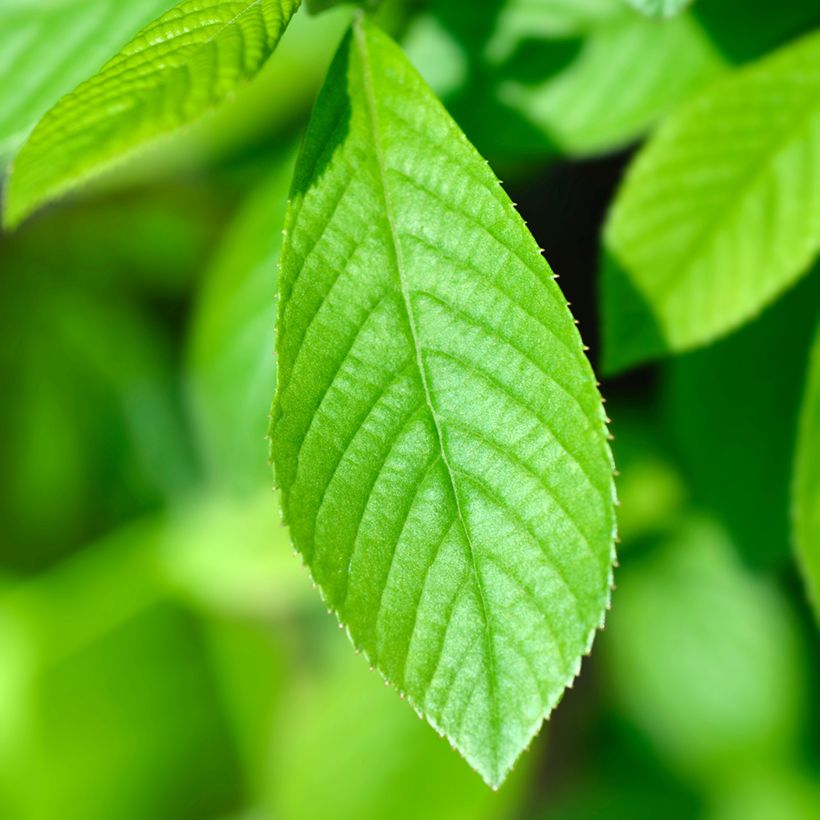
(163, 653)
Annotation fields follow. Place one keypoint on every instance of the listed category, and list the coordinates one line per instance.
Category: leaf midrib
(360, 38)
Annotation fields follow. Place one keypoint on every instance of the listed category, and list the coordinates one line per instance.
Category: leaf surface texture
(437, 433)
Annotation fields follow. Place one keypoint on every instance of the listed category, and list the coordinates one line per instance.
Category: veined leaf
(437, 432)
(719, 213)
(660, 8)
(807, 481)
(48, 46)
(178, 68)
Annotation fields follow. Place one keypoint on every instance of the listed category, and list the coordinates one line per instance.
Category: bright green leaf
(807, 481)
(48, 46)
(181, 66)
(719, 213)
(660, 8)
(437, 433)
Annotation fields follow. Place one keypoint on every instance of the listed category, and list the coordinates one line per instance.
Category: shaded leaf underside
(437, 433)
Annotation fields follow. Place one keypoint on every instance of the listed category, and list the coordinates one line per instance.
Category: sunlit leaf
(437, 432)
(49, 46)
(807, 480)
(719, 213)
(178, 68)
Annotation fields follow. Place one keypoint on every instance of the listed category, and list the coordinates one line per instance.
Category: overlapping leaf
(49, 46)
(178, 68)
(437, 434)
(807, 481)
(719, 213)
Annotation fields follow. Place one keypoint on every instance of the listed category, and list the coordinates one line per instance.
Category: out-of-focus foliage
(49, 46)
(705, 657)
(563, 76)
(719, 213)
(175, 70)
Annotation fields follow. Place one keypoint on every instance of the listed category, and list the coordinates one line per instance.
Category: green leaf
(807, 481)
(181, 66)
(719, 213)
(437, 432)
(660, 8)
(48, 46)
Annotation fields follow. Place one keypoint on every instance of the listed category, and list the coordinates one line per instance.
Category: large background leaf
(437, 434)
(807, 480)
(177, 69)
(719, 213)
(49, 46)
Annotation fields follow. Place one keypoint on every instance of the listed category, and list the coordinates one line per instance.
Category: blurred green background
(164, 654)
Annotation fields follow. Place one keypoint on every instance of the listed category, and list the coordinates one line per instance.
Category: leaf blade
(719, 213)
(181, 66)
(388, 431)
